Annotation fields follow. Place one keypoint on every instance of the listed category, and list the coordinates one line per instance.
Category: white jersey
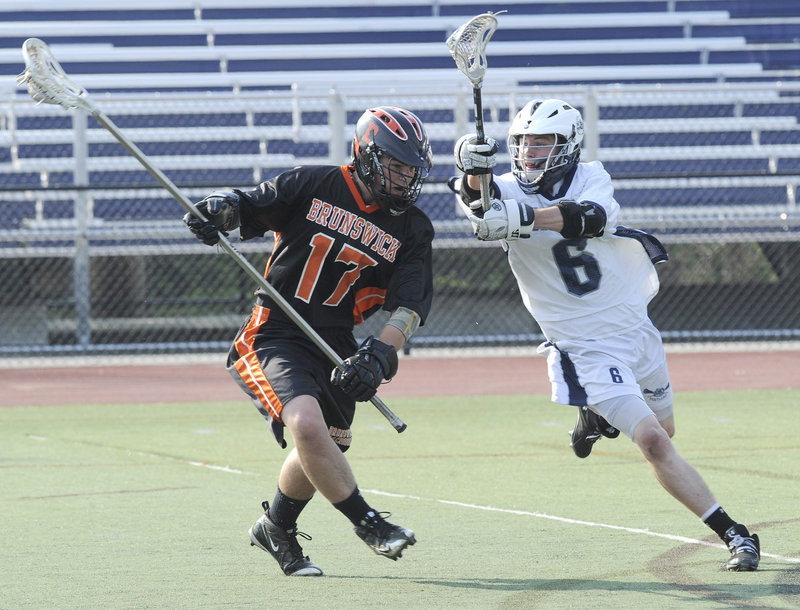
(584, 288)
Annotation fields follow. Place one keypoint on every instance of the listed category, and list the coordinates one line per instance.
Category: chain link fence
(94, 258)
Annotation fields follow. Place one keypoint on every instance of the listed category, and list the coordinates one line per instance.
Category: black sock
(355, 508)
(284, 510)
(720, 522)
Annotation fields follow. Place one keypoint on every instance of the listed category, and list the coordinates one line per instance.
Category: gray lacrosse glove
(507, 220)
(474, 158)
(360, 375)
(222, 212)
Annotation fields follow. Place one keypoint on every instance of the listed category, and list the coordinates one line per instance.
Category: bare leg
(315, 462)
(293, 480)
(674, 473)
(669, 425)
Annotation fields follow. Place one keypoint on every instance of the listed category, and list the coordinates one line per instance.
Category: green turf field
(149, 507)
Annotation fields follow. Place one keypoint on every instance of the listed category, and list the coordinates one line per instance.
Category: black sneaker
(586, 432)
(607, 429)
(282, 545)
(383, 537)
(744, 547)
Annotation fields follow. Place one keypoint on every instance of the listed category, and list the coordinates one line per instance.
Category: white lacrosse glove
(507, 220)
(473, 158)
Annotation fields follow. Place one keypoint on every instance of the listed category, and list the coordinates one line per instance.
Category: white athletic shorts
(633, 364)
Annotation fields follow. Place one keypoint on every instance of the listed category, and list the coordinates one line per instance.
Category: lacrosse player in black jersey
(349, 241)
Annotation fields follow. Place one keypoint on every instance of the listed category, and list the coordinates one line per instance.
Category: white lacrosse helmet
(544, 117)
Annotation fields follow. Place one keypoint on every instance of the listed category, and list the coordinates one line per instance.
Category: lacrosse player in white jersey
(588, 282)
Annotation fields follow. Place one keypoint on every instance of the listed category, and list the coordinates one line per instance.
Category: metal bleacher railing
(667, 149)
(704, 153)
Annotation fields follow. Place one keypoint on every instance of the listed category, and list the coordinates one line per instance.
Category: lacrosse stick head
(46, 81)
(468, 43)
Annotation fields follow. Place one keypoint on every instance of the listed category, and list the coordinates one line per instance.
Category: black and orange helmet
(388, 133)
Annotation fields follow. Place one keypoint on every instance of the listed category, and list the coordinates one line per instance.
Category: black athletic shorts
(274, 362)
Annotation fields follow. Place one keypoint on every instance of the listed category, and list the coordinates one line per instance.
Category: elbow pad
(405, 320)
(582, 219)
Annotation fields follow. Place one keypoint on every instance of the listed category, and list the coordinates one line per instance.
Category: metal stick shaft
(485, 178)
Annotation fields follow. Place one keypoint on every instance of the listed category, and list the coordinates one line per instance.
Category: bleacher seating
(214, 45)
(243, 91)
(691, 104)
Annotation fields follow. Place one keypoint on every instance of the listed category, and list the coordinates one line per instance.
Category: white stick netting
(46, 81)
(468, 46)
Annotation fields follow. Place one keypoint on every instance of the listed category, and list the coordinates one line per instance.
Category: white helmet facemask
(531, 160)
(535, 165)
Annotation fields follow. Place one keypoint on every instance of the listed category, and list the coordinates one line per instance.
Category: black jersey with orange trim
(336, 259)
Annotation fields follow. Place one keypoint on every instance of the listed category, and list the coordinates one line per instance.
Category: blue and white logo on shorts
(657, 394)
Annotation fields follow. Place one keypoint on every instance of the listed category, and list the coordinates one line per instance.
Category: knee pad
(624, 412)
(657, 392)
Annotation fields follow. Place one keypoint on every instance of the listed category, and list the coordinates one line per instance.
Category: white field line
(162, 456)
(194, 463)
(525, 513)
(215, 467)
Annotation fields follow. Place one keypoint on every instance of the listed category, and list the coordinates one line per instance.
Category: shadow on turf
(673, 565)
(787, 590)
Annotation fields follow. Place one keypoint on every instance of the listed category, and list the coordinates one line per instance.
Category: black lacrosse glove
(222, 212)
(360, 375)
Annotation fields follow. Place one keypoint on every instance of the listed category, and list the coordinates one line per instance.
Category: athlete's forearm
(391, 335)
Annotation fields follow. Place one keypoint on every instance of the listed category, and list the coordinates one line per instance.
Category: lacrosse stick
(48, 84)
(467, 45)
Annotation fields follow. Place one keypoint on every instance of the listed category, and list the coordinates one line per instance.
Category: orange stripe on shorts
(249, 369)
(244, 342)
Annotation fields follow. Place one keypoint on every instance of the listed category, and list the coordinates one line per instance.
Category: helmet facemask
(537, 165)
(389, 181)
(392, 156)
(536, 119)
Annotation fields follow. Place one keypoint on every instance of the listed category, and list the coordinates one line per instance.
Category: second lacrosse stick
(467, 45)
